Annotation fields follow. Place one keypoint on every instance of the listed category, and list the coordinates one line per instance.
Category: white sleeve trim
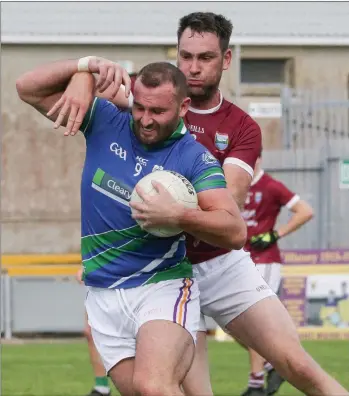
(292, 201)
(241, 164)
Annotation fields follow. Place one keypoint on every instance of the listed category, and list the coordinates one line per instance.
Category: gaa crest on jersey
(258, 197)
(221, 141)
(157, 168)
(208, 158)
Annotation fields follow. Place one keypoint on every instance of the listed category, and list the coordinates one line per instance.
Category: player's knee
(145, 385)
(294, 363)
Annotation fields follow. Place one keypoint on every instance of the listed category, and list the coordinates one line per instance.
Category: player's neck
(210, 105)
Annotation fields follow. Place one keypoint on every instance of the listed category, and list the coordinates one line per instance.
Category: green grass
(63, 369)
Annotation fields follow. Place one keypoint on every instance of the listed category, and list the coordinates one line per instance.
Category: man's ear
(227, 59)
(184, 106)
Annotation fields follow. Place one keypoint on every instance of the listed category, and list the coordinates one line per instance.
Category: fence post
(237, 73)
(285, 108)
(7, 308)
(326, 179)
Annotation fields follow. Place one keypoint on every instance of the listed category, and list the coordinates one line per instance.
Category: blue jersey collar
(180, 131)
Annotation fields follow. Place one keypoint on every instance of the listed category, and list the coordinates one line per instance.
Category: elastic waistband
(217, 263)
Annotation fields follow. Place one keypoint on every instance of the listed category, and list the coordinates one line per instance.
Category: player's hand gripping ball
(180, 189)
(263, 241)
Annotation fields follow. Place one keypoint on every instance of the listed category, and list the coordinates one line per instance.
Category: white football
(177, 185)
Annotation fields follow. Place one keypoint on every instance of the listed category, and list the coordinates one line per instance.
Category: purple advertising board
(315, 291)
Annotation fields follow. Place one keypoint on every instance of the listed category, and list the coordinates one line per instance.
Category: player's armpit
(238, 182)
(219, 223)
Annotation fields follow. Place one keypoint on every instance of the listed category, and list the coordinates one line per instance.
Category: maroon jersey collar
(208, 111)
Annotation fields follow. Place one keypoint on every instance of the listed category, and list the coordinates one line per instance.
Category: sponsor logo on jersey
(142, 161)
(157, 168)
(186, 182)
(118, 150)
(258, 197)
(118, 189)
(221, 140)
(111, 187)
(208, 158)
(197, 129)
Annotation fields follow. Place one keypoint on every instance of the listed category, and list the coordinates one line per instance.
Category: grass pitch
(63, 369)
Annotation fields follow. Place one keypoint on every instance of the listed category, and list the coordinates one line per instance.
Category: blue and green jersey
(116, 252)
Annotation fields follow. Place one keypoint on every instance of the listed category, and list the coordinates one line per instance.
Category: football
(177, 185)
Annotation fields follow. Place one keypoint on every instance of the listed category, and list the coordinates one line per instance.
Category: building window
(264, 71)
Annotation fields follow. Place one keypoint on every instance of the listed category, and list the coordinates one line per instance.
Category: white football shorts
(116, 315)
(271, 273)
(229, 285)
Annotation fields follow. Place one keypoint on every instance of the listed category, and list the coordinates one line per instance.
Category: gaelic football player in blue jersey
(143, 301)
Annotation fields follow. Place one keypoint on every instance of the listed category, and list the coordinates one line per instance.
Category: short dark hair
(158, 73)
(203, 22)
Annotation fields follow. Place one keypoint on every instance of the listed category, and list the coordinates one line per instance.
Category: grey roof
(156, 22)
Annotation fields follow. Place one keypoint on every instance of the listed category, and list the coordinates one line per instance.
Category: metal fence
(316, 139)
(314, 117)
(315, 178)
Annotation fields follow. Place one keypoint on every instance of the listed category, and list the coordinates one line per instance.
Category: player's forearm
(239, 195)
(89, 79)
(218, 228)
(119, 99)
(45, 80)
(296, 221)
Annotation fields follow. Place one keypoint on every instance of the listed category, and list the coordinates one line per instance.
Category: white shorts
(271, 274)
(116, 315)
(229, 285)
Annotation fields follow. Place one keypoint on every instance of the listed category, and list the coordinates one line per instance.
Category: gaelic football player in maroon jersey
(232, 291)
(264, 201)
